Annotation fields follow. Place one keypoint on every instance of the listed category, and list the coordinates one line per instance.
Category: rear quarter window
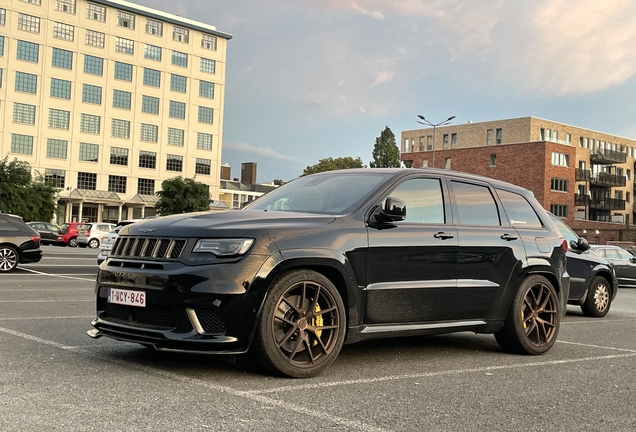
(519, 211)
(5, 225)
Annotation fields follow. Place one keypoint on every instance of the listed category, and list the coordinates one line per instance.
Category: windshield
(322, 193)
(565, 230)
(64, 229)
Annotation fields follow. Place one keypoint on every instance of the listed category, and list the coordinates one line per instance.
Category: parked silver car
(109, 239)
(91, 234)
(623, 262)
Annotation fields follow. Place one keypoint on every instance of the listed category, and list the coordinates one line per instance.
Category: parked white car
(109, 240)
(91, 234)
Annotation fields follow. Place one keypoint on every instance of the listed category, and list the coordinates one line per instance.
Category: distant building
(236, 193)
(583, 176)
(107, 99)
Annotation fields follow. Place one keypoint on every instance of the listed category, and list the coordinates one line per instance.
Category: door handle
(509, 237)
(443, 236)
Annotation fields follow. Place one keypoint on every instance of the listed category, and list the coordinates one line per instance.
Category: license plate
(127, 297)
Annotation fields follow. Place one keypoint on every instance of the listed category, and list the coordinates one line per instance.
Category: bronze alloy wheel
(8, 259)
(540, 314)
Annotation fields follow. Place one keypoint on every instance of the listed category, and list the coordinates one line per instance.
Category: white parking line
(45, 301)
(47, 318)
(53, 275)
(603, 321)
(597, 346)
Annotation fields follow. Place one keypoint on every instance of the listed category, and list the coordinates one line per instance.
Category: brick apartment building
(583, 176)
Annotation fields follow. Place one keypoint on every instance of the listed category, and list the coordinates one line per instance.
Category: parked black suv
(336, 258)
(19, 243)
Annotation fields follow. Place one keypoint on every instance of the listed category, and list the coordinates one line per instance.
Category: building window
(126, 20)
(92, 94)
(560, 185)
(117, 184)
(177, 110)
(35, 2)
(174, 163)
(29, 23)
(493, 160)
(447, 163)
(60, 88)
(206, 89)
(124, 45)
(429, 143)
(420, 145)
(145, 186)
(86, 181)
(149, 133)
(150, 104)
(119, 156)
(25, 82)
(56, 148)
(95, 38)
(208, 42)
(148, 159)
(559, 210)
(59, 119)
(1, 45)
(202, 166)
(581, 142)
(627, 196)
(122, 99)
(499, 136)
(23, 113)
(560, 159)
(179, 59)
(176, 136)
(67, 6)
(204, 141)
(22, 144)
(629, 174)
(54, 178)
(445, 141)
(568, 139)
(93, 65)
(153, 52)
(154, 27)
(63, 31)
(206, 115)
(3, 16)
(152, 77)
(62, 59)
(90, 123)
(178, 83)
(489, 137)
(120, 128)
(453, 140)
(89, 152)
(180, 34)
(96, 12)
(123, 71)
(0, 77)
(28, 51)
(208, 65)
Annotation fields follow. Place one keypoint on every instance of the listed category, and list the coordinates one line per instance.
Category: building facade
(235, 193)
(583, 176)
(106, 99)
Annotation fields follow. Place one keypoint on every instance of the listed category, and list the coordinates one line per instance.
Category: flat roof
(163, 16)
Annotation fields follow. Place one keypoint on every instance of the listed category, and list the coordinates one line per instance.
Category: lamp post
(426, 122)
(70, 199)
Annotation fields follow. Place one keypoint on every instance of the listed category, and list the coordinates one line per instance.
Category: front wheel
(302, 325)
(597, 303)
(532, 323)
(8, 259)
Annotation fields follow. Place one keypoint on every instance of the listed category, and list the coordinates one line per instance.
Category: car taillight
(88, 233)
(35, 238)
(564, 244)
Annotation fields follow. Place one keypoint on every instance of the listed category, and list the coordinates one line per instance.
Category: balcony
(607, 204)
(582, 175)
(582, 200)
(608, 157)
(608, 180)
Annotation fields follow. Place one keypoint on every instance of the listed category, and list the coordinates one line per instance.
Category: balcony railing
(581, 200)
(608, 157)
(609, 180)
(607, 204)
(582, 175)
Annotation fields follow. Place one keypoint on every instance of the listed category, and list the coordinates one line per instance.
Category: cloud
(260, 151)
(383, 77)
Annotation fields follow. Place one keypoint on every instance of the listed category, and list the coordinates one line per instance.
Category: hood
(223, 224)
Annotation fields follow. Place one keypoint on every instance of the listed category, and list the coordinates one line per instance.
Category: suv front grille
(211, 321)
(158, 316)
(142, 247)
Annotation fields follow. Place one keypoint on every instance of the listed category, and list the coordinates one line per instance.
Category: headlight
(223, 247)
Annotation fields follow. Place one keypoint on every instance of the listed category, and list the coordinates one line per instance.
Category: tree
(25, 195)
(385, 152)
(330, 164)
(182, 196)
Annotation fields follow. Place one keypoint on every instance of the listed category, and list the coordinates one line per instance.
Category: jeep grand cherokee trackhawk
(335, 258)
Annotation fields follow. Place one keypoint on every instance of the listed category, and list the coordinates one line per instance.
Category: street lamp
(426, 122)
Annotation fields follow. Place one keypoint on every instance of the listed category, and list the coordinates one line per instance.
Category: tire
(93, 243)
(597, 303)
(9, 259)
(295, 338)
(73, 242)
(532, 324)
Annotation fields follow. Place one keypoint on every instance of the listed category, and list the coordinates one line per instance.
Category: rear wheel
(93, 244)
(9, 259)
(72, 242)
(302, 325)
(597, 303)
(532, 323)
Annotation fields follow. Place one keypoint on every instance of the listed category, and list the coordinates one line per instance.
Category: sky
(313, 79)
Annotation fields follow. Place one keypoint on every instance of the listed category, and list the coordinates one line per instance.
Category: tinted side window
(423, 198)
(519, 210)
(624, 254)
(7, 226)
(475, 205)
(610, 253)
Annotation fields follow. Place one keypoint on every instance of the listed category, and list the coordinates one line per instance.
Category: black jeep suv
(19, 243)
(336, 258)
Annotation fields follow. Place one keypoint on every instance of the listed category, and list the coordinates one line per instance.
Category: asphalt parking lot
(54, 377)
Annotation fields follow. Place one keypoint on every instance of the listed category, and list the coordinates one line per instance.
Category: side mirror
(632, 260)
(582, 244)
(394, 210)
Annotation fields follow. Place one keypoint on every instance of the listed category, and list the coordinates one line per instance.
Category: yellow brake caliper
(523, 319)
(317, 321)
